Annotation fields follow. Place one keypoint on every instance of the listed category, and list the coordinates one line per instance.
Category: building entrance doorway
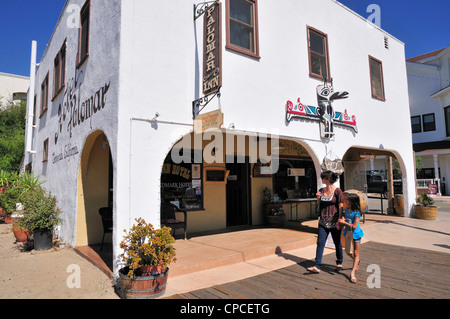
(378, 174)
(95, 176)
(238, 192)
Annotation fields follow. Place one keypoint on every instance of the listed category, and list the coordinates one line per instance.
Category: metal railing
(423, 183)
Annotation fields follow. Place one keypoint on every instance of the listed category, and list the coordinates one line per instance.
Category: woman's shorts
(357, 240)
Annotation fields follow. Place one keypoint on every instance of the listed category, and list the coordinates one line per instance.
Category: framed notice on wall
(215, 175)
(182, 185)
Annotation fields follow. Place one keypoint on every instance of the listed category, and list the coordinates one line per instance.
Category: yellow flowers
(145, 246)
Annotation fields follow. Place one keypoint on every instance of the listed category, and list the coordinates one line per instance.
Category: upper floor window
(83, 43)
(45, 151)
(447, 120)
(242, 26)
(416, 125)
(376, 78)
(44, 95)
(319, 64)
(429, 123)
(59, 76)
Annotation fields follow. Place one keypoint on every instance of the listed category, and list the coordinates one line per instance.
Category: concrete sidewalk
(233, 256)
(408, 232)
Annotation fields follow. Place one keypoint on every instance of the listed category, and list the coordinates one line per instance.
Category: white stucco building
(429, 96)
(13, 88)
(115, 90)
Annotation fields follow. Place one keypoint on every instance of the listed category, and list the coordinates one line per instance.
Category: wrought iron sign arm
(199, 104)
(200, 9)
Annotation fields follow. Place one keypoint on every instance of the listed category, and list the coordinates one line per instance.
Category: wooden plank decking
(404, 272)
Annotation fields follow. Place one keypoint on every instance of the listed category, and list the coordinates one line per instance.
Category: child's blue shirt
(357, 232)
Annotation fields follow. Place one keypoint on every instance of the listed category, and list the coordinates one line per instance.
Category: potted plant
(147, 253)
(425, 209)
(276, 217)
(273, 210)
(41, 215)
(9, 197)
(22, 235)
(12, 188)
(27, 182)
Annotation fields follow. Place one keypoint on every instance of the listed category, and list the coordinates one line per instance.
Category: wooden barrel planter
(425, 212)
(142, 287)
(398, 204)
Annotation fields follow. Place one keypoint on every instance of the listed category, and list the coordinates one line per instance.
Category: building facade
(121, 81)
(429, 96)
(13, 88)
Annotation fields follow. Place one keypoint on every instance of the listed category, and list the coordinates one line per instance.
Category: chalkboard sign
(181, 185)
(215, 175)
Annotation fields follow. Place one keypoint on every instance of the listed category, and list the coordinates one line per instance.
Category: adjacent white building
(429, 96)
(116, 91)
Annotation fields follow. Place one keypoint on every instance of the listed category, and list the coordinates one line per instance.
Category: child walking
(351, 221)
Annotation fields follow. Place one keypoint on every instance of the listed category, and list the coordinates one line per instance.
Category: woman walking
(331, 203)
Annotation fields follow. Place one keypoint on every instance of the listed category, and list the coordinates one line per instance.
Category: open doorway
(377, 174)
(95, 180)
(238, 192)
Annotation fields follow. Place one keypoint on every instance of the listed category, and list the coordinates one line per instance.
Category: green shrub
(40, 211)
(425, 200)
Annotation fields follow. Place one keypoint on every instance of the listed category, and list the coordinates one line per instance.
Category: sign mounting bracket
(199, 104)
(200, 9)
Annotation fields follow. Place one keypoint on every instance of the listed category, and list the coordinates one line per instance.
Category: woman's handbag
(349, 242)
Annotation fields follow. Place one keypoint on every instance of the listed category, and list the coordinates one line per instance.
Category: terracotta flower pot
(22, 235)
(8, 219)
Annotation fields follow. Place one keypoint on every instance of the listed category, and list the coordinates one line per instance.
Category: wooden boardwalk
(404, 273)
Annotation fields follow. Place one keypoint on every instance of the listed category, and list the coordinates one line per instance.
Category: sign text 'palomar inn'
(212, 75)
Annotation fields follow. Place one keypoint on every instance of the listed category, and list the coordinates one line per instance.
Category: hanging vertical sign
(212, 59)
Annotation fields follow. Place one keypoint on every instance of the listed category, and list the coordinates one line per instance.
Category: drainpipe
(30, 101)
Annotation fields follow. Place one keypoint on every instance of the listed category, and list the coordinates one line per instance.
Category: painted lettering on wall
(176, 170)
(75, 110)
(68, 151)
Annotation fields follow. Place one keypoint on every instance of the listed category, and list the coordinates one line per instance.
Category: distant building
(429, 99)
(13, 88)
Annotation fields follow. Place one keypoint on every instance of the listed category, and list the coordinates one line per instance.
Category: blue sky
(423, 25)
